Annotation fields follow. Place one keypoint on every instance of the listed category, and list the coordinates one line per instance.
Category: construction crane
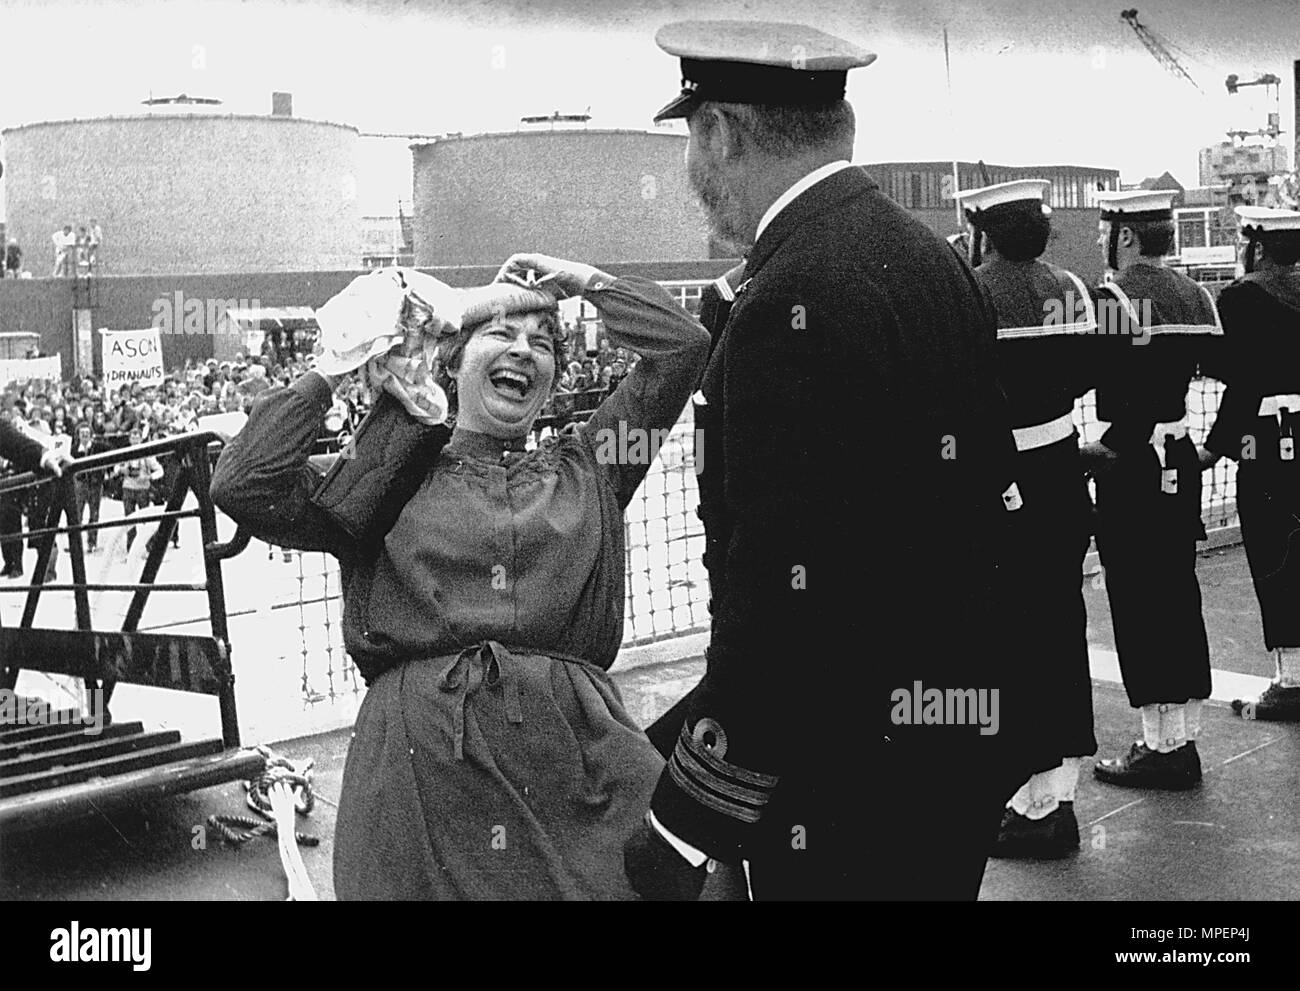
(1157, 46)
(1282, 185)
(1270, 82)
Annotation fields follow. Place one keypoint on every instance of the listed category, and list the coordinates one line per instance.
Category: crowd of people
(83, 416)
(598, 374)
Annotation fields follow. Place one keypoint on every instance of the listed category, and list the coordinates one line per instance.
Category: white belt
(1028, 438)
(1275, 405)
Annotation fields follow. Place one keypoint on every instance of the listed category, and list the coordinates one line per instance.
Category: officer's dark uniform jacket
(853, 447)
(1258, 425)
(1157, 326)
(1047, 339)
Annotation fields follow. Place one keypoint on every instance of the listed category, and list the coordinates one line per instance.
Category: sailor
(1046, 333)
(1158, 325)
(853, 432)
(1258, 426)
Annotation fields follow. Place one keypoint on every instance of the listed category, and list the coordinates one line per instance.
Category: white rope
(282, 807)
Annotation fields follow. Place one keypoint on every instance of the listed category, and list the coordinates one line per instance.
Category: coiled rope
(282, 790)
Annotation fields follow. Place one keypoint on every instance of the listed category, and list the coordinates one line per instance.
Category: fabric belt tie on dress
(500, 668)
(1042, 434)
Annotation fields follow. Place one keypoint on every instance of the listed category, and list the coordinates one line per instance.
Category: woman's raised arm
(633, 422)
(264, 480)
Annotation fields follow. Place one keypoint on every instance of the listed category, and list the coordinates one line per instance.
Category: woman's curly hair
(451, 346)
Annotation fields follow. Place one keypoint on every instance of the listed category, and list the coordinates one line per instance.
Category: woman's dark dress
(492, 757)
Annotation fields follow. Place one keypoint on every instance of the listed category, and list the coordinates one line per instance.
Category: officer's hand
(54, 460)
(657, 871)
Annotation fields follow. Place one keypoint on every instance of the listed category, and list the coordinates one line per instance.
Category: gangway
(57, 767)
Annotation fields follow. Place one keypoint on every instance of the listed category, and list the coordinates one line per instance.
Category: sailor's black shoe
(1052, 837)
(1277, 704)
(1177, 770)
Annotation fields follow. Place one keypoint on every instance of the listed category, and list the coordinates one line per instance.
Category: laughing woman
(492, 757)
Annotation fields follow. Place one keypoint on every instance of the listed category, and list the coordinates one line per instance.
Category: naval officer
(1158, 326)
(1258, 426)
(853, 478)
(1046, 342)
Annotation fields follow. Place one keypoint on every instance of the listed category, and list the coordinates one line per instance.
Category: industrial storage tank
(187, 192)
(601, 196)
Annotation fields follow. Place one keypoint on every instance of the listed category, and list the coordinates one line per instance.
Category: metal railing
(200, 669)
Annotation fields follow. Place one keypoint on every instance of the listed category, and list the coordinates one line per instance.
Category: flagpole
(952, 128)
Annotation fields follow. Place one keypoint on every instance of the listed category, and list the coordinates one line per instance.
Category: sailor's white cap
(1267, 220)
(1002, 193)
(1137, 204)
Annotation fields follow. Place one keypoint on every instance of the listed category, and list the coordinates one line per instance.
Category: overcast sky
(1044, 82)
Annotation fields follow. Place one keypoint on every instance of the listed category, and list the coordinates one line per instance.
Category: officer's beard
(722, 208)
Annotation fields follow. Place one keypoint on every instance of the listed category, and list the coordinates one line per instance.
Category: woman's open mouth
(511, 384)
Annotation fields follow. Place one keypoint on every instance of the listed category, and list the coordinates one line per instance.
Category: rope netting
(667, 587)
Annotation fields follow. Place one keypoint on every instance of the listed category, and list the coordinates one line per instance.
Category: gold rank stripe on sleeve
(734, 791)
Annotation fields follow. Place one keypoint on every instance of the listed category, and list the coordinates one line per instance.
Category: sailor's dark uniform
(1159, 326)
(1258, 426)
(1046, 340)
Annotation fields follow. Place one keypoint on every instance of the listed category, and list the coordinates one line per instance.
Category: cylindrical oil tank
(595, 195)
(182, 193)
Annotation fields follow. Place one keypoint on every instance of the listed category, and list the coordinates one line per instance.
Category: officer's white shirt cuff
(695, 857)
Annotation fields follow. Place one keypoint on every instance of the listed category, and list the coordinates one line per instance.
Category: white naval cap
(1024, 191)
(1137, 204)
(1266, 220)
(757, 62)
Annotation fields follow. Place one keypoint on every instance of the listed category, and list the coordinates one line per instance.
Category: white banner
(27, 369)
(131, 356)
